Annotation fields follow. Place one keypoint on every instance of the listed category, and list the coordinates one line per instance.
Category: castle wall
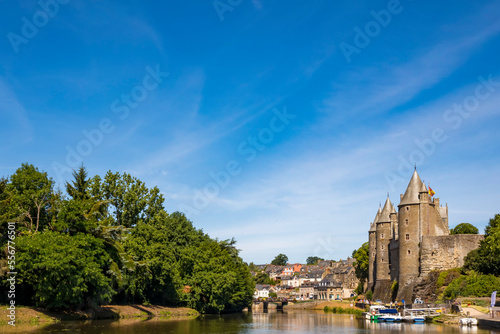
(437, 226)
(371, 256)
(409, 239)
(382, 258)
(394, 255)
(446, 251)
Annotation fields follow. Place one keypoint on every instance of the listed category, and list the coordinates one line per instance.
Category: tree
(280, 260)
(361, 264)
(30, 192)
(486, 258)
(464, 228)
(262, 278)
(59, 271)
(79, 188)
(177, 255)
(314, 260)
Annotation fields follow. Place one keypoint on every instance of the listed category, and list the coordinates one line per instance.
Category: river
(297, 322)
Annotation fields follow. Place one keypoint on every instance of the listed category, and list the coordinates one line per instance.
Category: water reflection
(298, 322)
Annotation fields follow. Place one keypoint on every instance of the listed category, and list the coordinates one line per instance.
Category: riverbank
(37, 316)
(320, 305)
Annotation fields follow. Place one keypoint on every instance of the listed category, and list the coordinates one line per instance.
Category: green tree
(59, 271)
(472, 284)
(361, 265)
(79, 187)
(30, 193)
(280, 260)
(177, 255)
(464, 228)
(262, 278)
(313, 260)
(486, 258)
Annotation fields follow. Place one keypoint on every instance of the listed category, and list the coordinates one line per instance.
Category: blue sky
(280, 123)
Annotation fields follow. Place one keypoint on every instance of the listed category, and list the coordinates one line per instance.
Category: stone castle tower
(407, 244)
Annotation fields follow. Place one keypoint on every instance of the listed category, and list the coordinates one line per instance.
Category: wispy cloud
(389, 85)
(14, 116)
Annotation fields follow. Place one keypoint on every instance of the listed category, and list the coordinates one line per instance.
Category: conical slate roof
(414, 188)
(373, 227)
(386, 211)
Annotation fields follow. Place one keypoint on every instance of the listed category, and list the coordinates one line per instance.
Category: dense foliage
(361, 265)
(473, 284)
(110, 240)
(280, 260)
(263, 278)
(486, 259)
(464, 228)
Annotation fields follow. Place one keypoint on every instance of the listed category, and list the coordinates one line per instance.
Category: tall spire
(414, 188)
(386, 211)
(377, 217)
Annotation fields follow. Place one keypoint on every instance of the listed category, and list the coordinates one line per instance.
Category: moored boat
(467, 321)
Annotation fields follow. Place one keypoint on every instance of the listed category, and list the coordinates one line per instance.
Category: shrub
(473, 284)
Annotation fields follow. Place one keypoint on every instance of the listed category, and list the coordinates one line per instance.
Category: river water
(297, 322)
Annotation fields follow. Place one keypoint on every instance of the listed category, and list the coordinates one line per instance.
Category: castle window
(406, 222)
(382, 235)
(407, 237)
(382, 247)
(409, 252)
(407, 208)
(373, 254)
(382, 260)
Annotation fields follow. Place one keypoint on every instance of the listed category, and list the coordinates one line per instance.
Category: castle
(405, 245)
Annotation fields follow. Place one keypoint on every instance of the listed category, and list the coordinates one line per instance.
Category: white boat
(467, 321)
(390, 318)
(374, 311)
(413, 318)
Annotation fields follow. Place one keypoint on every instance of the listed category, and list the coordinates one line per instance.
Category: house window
(407, 237)
(409, 252)
(406, 222)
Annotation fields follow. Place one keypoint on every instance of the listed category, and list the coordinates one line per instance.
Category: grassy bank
(338, 306)
(37, 316)
(342, 310)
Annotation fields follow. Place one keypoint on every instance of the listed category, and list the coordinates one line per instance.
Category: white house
(261, 291)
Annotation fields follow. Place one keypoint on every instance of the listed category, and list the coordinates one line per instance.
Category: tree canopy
(464, 228)
(361, 255)
(486, 259)
(280, 260)
(110, 240)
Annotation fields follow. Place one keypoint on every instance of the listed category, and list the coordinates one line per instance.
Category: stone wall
(447, 251)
